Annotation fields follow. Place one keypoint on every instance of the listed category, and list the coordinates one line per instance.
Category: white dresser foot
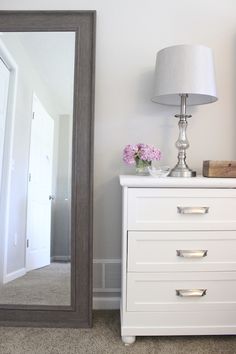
(128, 339)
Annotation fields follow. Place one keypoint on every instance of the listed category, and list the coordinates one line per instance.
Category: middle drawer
(181, 251)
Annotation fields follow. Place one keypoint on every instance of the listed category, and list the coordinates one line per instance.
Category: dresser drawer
(181, 209)
(180, 323)
(199, 291)
(180, 251)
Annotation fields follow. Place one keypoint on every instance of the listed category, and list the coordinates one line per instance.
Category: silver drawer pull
(191, 253)
(191, 292)
(192, 210)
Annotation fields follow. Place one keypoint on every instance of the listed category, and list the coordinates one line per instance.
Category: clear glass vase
(142, 167)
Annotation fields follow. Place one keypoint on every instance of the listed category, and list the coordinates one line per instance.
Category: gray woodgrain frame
(79, 314)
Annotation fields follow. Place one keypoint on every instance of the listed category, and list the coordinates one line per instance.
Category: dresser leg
(128, 339)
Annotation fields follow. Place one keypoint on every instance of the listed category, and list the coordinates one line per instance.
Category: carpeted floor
(44, 286)
(104, 338)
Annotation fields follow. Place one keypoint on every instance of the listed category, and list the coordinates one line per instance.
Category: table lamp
(184, 77)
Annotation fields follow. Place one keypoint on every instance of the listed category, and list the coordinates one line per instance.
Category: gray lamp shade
(185, 69)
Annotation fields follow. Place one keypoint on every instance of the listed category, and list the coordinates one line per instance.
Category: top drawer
(181, 209)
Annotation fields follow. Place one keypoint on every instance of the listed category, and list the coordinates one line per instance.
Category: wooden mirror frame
(79, 313)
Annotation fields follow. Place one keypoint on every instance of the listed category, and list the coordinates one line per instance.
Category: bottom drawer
(178, 323)
(196, 291)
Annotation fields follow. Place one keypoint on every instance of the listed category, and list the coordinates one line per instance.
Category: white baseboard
(14, 275)
(106, 303)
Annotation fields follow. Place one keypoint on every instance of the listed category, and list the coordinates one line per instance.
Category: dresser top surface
(173, 182)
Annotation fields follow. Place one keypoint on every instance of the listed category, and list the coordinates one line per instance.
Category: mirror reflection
(36, 111)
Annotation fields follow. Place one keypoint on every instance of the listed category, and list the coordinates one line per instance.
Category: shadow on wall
(107, 219)
(234, 101)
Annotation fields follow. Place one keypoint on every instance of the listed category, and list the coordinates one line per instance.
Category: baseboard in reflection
(106, 303)
(14, 275)
(60, 259)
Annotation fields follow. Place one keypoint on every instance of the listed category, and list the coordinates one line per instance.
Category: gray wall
(129, 33)
(62, 192)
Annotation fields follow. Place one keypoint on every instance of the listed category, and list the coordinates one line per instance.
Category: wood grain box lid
(224, 169)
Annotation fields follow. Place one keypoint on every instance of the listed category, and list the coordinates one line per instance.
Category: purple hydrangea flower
(129, 154)
(143, 152)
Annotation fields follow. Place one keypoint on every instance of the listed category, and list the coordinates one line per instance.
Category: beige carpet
(45, 286)
(104, 338)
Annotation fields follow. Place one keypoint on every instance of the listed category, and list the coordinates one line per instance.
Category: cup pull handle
(191, 292)
(191, 253)
(192, 210)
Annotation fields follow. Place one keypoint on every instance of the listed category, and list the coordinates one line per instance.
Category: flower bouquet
(142, 156)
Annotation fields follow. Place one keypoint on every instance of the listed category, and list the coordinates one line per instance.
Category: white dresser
(178, 256)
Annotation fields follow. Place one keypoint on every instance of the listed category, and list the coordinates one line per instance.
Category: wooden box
(226, 169)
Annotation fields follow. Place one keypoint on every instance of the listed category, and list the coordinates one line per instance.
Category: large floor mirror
(46, 161)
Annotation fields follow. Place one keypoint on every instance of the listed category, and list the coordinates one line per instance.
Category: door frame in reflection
(8, 164)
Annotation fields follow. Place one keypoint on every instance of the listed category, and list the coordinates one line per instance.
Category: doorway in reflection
(36, 159)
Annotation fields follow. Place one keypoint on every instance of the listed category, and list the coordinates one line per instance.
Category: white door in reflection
(39, 188)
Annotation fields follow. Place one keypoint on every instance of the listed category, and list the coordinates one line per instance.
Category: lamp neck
(183, 102)
(183, 98)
